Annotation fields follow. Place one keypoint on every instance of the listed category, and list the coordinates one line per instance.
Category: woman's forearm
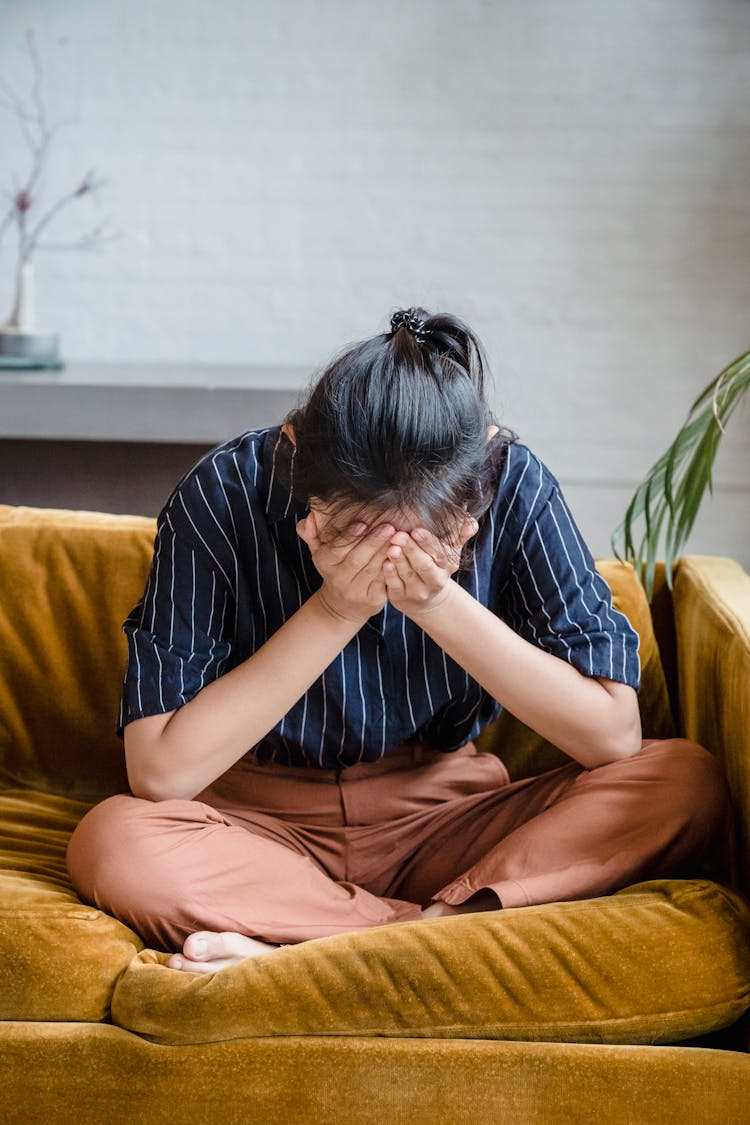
(573, 711)
(227, 717)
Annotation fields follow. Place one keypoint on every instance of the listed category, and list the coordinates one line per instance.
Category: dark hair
(399, 422)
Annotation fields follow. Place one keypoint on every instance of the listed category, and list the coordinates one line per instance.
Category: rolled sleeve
(557, 599)
(177, 633)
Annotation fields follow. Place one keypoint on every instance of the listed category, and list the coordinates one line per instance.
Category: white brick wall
(569, 176)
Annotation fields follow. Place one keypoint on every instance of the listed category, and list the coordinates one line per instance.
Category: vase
(20, 336)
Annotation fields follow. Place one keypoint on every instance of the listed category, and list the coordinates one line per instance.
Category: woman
(336, 607)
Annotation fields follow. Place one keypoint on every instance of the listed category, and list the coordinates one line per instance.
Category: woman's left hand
(419, 566)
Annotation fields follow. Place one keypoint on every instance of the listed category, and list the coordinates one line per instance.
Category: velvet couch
(631, 1007)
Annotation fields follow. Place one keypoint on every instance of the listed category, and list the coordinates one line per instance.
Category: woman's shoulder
(228, 474)
(526, 481)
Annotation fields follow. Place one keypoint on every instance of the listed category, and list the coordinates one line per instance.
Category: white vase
(20, 336)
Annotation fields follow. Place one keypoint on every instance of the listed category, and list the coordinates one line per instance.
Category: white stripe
(325, 712)
(192, 609)
(362, 697)
(291, 474)
(221, 629)
(171, 595)
(343, 708)
(542, 605)
(598, 577)
(304, 719)
(138, 665)
(208, 630)
(591, 613)
(562, 600)
(257, 550)
(474, 707)
(272, 476)
(531, 508)
(156, 582)
(205, 544)
(529, 618)
(382, 698)
(425, 671)
(406, 661)
(233, 553)
(161, 675)
(515, 493)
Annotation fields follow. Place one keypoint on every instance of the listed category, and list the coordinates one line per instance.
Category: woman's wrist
(335, 614)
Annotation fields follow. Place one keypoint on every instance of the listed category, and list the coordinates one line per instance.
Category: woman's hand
(418, 567)
(353, 578)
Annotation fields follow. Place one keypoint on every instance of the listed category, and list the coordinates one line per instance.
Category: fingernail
(177, 963)
(200, 946)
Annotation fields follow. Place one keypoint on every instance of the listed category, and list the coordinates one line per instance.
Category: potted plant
(690, 458)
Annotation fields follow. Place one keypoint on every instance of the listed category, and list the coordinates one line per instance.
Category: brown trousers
(286, 854)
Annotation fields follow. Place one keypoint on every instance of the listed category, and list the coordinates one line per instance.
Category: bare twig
(39, 136)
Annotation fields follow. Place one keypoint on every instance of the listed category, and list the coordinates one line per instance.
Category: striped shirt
(229, 569)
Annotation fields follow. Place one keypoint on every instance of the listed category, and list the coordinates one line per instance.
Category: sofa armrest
(712, 625)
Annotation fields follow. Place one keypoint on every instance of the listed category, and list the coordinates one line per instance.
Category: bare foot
(481, 900)
(438, 910)
(206, 952)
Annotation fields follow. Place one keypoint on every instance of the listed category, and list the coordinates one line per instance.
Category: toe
(204, 945)
(212, 966)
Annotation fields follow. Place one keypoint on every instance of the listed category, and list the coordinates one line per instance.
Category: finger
(418, 560)
(434, 546)
(444, 554)
(373, 568)
(368, 553)
(403, 568)
(394, 583)
(470, 528)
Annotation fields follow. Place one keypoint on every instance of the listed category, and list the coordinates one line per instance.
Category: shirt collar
(279, 501)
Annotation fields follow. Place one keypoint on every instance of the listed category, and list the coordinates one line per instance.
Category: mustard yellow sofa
(630, 1007)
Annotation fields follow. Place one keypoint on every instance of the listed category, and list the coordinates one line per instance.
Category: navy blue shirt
(229, 569)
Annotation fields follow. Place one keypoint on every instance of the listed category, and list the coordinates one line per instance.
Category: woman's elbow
(626, 733)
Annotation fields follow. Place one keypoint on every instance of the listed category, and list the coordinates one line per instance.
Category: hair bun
(409, 319)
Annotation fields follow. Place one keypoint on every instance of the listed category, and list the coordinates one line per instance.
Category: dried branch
(39, 136)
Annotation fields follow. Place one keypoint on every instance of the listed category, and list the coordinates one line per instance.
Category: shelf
(180, 403)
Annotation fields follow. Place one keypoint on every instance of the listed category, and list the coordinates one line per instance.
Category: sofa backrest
(68, 580)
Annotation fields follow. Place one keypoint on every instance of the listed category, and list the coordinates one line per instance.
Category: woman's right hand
(353, 579)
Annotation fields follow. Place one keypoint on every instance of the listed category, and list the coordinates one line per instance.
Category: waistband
(404, 756)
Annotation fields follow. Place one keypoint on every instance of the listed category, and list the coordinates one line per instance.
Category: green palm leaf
(692, 454)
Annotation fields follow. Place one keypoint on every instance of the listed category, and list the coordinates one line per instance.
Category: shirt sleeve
(178, 633)
(556, 598)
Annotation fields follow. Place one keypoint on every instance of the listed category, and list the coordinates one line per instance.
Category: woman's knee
(696, 783)
(105, 844)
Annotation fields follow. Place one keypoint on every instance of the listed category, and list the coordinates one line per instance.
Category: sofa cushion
(60, 958)
(526, 753)
(657, 962)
